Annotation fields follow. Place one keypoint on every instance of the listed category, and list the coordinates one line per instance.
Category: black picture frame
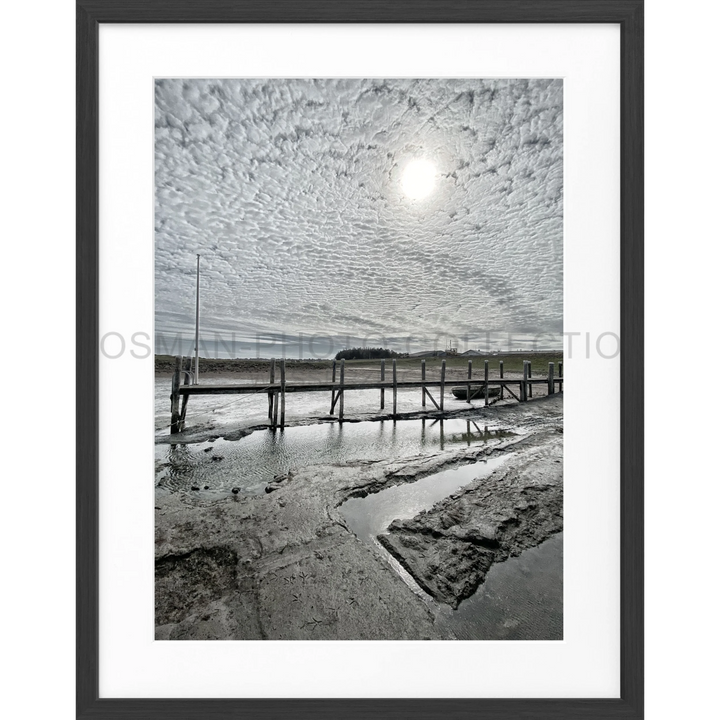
(629, 15)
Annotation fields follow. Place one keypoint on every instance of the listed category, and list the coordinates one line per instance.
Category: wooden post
(270, 394)
(335, 394)
(282, 394)
(560, 377)
(332, 392)
(197, 323)
(382, 379)
(187, 369)
(486, 382)
(502, 387)
(275, 403)
(551, 378)
(394, 388)
(469, 378)
(529, 390)
(442, 386)
(341, 391)
(175, 398)
(422, 374)
(523, 384)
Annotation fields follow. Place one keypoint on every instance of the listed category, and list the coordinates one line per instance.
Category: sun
(418, 180)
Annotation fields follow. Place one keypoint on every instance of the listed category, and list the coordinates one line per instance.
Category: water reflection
(253, 461)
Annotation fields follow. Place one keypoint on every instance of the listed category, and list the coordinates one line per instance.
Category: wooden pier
(276, 391)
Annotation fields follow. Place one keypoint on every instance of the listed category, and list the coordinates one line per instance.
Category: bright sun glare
(418, 180)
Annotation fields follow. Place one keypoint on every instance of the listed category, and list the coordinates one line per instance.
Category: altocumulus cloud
(291, 190)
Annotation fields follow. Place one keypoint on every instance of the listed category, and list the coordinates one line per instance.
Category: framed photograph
(336, 265)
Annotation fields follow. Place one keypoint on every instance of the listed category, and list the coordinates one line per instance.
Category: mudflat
(284, 564)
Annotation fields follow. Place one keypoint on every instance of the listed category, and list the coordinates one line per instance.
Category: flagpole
(197, 324)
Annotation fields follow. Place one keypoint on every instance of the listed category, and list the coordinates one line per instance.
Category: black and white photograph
(358, 359)
(344, 272)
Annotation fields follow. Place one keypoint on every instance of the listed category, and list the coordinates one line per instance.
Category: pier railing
(337, 387)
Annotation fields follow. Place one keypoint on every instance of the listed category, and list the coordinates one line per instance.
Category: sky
(332, 213)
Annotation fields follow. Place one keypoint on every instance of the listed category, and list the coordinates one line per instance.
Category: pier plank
(250, 388)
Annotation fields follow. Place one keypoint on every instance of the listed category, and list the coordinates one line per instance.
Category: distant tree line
(365, 353)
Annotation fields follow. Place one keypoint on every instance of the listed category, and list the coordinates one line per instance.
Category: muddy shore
(284, 565)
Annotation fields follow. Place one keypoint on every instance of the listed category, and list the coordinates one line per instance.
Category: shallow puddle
(370, 516)
(521, 598)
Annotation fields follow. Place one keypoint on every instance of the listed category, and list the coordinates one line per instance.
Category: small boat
(477, 392)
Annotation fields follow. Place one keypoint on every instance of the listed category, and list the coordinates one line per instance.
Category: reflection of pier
(276, 390)
(469, 437)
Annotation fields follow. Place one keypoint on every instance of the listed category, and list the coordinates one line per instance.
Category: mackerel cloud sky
(291, 191)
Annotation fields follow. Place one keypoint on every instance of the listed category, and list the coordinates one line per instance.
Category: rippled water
(253, 461)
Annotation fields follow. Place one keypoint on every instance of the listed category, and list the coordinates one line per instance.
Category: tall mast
(197, 324)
